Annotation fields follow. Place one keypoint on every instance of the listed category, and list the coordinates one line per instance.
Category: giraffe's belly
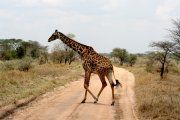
(97, 68)
(101, 70)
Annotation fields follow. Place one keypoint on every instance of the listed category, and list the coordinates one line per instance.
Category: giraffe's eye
(54, 37)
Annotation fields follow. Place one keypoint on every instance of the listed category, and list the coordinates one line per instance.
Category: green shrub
(25, 64)
(131, 59)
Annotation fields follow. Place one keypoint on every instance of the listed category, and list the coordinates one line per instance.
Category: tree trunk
(131, 64)
(60, 61)
(70, 61)
(162, 70)
(65, 61)
(121, 62)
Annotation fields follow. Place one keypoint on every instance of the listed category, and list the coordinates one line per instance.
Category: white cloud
(164, 9)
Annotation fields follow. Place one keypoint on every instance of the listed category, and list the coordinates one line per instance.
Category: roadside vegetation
(156, 98)
(16, 84)
(157, 77)
(27, 69)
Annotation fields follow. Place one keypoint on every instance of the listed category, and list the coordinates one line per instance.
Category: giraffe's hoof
(96, 100)
(112, 104)
(83, 101)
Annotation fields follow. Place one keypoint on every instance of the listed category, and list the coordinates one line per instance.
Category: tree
(162, 55)
(120, 54)
(17, 48)
(58, 53)
(9, 48)
(72, 56)
(175, 36)
(20, 52)
(131, 59)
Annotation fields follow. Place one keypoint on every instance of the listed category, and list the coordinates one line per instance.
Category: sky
(102, 24)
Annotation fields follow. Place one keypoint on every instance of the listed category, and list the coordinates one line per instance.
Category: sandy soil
(64, 103)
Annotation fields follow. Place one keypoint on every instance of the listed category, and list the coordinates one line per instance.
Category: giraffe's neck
(76, 46)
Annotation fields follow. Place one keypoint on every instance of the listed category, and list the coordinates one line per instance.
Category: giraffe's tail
(117, 84)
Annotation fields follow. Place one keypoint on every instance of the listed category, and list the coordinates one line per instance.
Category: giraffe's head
(54, 36)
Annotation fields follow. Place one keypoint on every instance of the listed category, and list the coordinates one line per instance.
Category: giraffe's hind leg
(104, 84)
(86, 85)
(109, 77)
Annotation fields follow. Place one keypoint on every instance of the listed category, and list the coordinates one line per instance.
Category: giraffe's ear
(56, 30)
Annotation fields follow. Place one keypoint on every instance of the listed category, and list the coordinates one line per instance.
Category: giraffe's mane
(88, 47)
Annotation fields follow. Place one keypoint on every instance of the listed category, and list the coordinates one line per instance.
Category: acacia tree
(120, 54)
(175, 35)
(162, 55)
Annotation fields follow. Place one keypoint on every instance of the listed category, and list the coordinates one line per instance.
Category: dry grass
(15, 84)
(157, 99)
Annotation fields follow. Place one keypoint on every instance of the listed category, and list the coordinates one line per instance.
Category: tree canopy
(18, 48)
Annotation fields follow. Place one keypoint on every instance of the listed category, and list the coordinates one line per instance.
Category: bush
(8, 65)
(43, 59)
(150, 66)
(131, 59)
(25, 64)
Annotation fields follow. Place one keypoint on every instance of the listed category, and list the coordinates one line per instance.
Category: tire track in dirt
(65, 104)
(126, 94)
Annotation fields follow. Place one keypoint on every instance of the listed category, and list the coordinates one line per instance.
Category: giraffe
(93, 63)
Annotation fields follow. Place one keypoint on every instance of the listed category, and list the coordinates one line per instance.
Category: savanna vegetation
(35, 71)
(156, 98)
(157, 77)
(27, 69)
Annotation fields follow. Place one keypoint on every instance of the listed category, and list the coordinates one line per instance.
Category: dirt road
(64, 104)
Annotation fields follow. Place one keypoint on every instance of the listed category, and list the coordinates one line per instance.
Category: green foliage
(131, 59)
(25, 64)
(71, 56)
(175, 35)
(120, 54)
(163, 53)
(17, 48)
(20, 52)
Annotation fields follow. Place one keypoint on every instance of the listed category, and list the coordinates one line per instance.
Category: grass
(15, 84)
(156, 98)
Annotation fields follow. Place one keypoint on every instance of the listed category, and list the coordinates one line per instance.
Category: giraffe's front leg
(86, 85)
(84, 100)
